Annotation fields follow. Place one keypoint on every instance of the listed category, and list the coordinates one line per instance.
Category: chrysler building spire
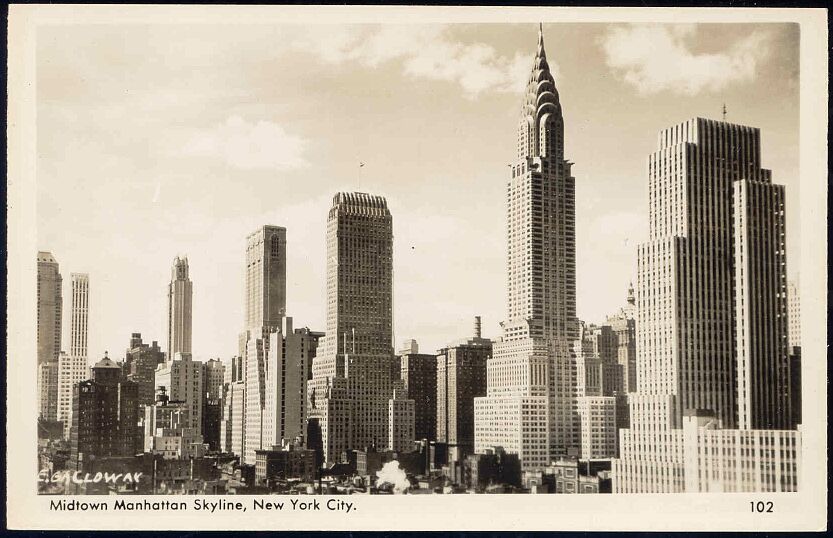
(540, 103)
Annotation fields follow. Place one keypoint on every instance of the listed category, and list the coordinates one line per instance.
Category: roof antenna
(724, 111)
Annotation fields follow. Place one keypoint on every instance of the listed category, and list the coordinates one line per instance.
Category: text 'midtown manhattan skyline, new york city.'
(690, 384)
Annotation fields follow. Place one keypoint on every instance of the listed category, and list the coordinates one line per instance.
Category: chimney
(477, 326)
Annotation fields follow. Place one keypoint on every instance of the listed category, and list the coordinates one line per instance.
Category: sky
(163, 140)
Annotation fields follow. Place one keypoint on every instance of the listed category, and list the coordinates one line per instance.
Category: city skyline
(469, 169)
(709, 324)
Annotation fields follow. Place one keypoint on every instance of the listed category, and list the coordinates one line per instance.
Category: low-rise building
(182, 378)
(168, 431)
(703, 457)
(597, 426)
(105, 417)
(400, 420)
(284, 463)
(495, 467)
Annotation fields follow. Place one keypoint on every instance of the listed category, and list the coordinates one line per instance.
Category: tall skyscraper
(50, 307)
(80, 314)
(264, 311)
(351, 374)
(531, 374)
(72, 367)
(265, 301)
(179, 309)
(711, 328)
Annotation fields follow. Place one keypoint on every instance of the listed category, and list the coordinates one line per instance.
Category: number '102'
(761, 506)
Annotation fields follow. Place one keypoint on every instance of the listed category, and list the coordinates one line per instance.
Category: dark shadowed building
(105, 417)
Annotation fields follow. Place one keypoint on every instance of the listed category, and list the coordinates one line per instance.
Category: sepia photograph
(277, 261)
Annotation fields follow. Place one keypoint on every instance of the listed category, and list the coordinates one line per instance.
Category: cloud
(425, 51)
(249, 146)
(655, 58)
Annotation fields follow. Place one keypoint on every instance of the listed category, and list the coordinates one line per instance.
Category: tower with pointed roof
(179, 309)
(530, 407)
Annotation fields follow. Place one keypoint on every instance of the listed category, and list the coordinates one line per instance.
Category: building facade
(140, 363)
(419, 373)
(599, 380)
(264, 310)
(351, 374)
(461, 380)
(277, 357)
(708, 458)
(48, 390)
(623, 324)
(179, 308)
(597, 426)
(50, 307)
(72, 368)
(280, 464)
(105, 417)
(532, 374)
(401, 417)
(711, 301)
(794, 314)
(213, 377)
(168, 431)
(181, 379)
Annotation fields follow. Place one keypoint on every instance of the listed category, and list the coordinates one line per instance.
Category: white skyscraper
(530, 406)
(264, 309)
(72, 367)
(712, 318)
(179, 309)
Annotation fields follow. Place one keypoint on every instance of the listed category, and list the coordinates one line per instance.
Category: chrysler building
(529, 408)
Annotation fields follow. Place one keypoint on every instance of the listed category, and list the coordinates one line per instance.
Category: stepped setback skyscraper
(530, 405)
(264, 310)
(351, 376)
(712, 320)
(179, 309)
